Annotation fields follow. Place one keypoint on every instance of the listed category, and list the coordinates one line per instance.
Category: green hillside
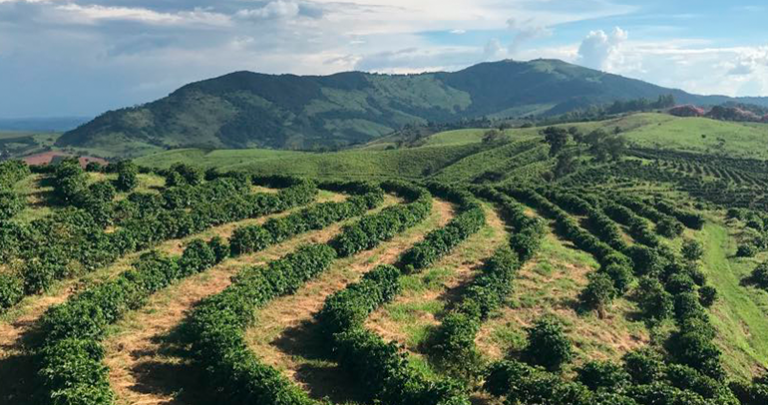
(250, 110)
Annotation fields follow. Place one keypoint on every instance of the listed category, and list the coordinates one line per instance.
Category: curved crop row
(70, 358)
(218, 325)
(70, 241)
(106, 303)
(452, 344)
(379, 366)
(374, 229)
(569, 228)
(257, 237)
(440, 242)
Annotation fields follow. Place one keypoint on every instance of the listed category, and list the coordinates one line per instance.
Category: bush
(547, 344)
(10, 204)
(620, 275)
(707, 296)
(669, 227)
(692, 250)
(759, 276)
(746, 250)
(217, 328)
(644, 366)
(599, 293)
(11, 290)
(127, 176)
(655, 302)
(605, 375)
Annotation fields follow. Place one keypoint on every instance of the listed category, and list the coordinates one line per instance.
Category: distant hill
(246, 110)
(54, 124)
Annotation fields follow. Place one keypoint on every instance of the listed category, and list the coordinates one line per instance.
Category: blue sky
(82, 57)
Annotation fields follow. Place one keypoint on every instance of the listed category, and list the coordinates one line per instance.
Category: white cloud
(600, 50)
(526, 30)
(279, 9)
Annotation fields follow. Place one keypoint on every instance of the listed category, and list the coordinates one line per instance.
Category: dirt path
(285, 336)
(426, 296)
(16, 324)
(146, 363)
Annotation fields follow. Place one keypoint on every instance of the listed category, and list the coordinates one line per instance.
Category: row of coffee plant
(452, 344)
(70, 356)
(74, 345)
(380, 367)
(71, 242)
(11, 203)
(218, 325)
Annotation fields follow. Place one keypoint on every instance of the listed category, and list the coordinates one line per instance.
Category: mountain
(244, 109)
(52, 124)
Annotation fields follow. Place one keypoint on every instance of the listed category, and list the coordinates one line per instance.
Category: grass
(741, 313)
(550, 285)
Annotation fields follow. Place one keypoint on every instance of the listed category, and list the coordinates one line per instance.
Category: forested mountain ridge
(246, 110)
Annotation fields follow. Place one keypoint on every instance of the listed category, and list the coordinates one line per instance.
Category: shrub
(669, 227)
(599, 293)
(759, 276)
(606, 375)
(547, 344)
(746, 250)
(11, 290)
(707, 296)
(620, 275)
(655, 302)
(644, 366)
(692, 250)
(127, 176)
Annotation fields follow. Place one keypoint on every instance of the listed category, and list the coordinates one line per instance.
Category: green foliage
(374, 229)
(254, 238)
(692, 250)
(669, 227)
(603, 375)
(655, 303)
(11, 290)
(547, 344)
(70, 356)
(127, 176)
(556, 137)
(217, 328)
(439, 242)
(10, 204)
(759, 276)
(746, 250)
(183, 174)
(599, 293)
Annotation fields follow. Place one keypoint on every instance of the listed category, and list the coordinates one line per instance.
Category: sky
(83, 57)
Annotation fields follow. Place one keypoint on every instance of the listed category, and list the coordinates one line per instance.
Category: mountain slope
(244, 109)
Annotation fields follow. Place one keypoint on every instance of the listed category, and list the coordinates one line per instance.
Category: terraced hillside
(463, 271)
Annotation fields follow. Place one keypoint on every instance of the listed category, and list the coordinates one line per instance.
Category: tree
(492, 136)
(692, 250)
(604, 146)
(127, 176)
(547, 344)
(602, 374)
(566, 164)
(556, 137)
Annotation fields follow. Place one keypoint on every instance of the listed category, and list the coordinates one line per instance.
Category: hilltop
(248, 110)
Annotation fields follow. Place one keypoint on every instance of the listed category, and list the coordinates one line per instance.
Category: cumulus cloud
(600, 50)
(748, 62)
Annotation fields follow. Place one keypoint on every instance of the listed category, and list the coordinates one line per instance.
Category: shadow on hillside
(18, 379)
(321, 377)
(171, 372)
